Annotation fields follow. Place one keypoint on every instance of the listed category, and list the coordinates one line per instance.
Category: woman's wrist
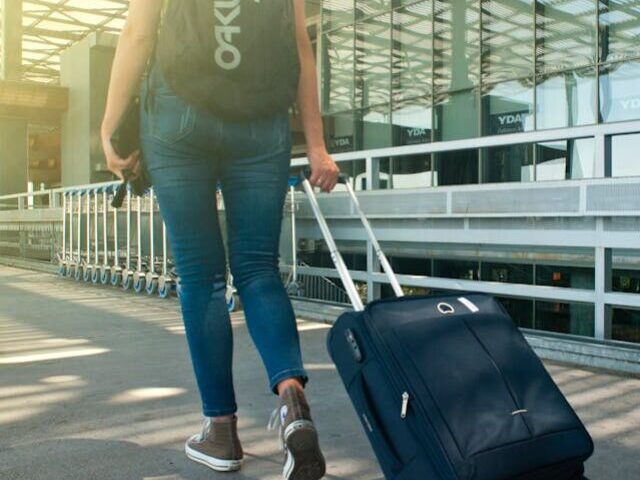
(317, 150)
(106, 132)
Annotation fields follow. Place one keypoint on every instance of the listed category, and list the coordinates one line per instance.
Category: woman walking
(214, 108)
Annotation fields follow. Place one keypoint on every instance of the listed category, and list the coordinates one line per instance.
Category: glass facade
(403, 72)
(406, 72)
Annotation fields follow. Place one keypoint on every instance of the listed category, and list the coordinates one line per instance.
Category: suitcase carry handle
(338, 261)
(372, 424)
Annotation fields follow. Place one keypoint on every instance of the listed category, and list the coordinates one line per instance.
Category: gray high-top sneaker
(298, 437)
(217, 446)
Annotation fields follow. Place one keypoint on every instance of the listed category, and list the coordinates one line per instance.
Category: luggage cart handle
(333, 249)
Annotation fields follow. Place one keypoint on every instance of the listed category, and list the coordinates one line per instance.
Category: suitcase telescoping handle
(333, 249)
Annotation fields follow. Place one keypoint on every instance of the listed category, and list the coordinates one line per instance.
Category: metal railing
(412, 215)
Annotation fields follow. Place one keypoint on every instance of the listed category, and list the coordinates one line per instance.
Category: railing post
(372, 166)
(603, 165)
(603, 275)
(373, 264)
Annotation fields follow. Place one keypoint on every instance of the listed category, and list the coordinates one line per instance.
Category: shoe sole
(304, 458)
(217, 464)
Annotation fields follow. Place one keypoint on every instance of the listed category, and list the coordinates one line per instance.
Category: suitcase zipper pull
(405, 405)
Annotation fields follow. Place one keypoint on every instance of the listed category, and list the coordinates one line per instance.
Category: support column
(13, 156)
(85, 69)
(13, 132)
(11, 61)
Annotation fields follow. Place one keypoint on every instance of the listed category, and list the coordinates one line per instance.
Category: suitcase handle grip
(338, 261)
(305, 174)
(372, 424)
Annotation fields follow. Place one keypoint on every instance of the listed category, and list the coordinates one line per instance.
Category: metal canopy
(51, 26)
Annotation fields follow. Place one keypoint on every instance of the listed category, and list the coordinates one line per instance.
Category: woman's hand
(324, 171)
(116, 164)
(135, 45)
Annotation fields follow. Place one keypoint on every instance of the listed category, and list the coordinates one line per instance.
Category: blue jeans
(187, 151)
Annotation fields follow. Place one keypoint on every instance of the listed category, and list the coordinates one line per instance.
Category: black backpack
(235, 58)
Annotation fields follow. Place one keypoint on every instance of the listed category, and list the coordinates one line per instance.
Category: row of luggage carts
(122, 247)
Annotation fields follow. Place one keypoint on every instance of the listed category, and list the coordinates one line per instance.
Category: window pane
(373, 128)
(315, 253)
(410, 265)
(373, 70)
(507, 39)
(626, 325)
(508, 107)
(456, 115)
(566, 99)
(371, 7)
(412, 54)
(619, 29)
(624, 155)
(336, 13)
(338, 128)
(337, 74)
(566, 33)
(411, 122)
(410, 171)
(461, 269)
(625, 280)
(507, 272)
(456, 168)
(619, 92)
(582, 154)
(574, 318)
(513, 163)
(564, 276)
(521, 310)
(456, 45)
(552, 163)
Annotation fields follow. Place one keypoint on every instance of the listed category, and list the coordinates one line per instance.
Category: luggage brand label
(227, 55)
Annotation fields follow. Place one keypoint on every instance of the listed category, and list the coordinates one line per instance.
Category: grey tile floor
(96, 383)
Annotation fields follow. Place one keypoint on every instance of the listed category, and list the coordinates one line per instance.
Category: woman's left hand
(116, 164)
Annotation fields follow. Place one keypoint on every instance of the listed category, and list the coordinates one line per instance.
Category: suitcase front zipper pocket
(442, 376)
(399, 388)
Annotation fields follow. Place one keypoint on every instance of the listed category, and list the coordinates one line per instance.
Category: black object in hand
(126, 138)
(126, 141)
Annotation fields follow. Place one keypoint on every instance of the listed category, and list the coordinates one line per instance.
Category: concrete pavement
(96, 383)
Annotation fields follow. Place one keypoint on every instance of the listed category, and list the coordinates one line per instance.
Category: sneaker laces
(274, 420)
(206, 426)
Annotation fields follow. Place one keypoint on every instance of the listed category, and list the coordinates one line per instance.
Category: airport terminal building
(498, 146)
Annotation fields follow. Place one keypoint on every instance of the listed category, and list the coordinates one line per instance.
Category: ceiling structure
(51, 26)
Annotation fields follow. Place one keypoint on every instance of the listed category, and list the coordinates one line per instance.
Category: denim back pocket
(170, 118)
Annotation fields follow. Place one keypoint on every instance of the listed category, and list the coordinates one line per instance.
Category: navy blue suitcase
(457, 395)
(447, 388)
